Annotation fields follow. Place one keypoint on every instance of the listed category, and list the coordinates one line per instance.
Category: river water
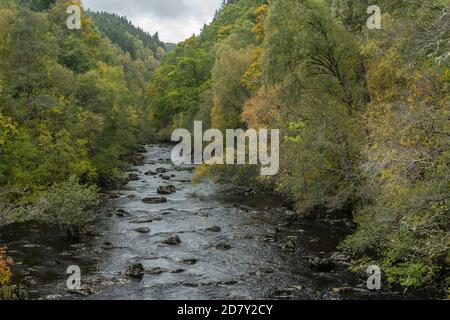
(233, 246)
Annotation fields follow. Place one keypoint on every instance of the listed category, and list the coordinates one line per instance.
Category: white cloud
(175, 20)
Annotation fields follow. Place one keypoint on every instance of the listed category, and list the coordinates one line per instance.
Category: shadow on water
(232, 246)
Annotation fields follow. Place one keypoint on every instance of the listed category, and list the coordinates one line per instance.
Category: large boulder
(167, 189)
(136, 270)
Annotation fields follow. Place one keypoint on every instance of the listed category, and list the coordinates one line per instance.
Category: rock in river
(321, 264)
(135, 270)
(167, 189)
(121, 213)
(155, 271)
(173, 240)
(214, 229)
(143, 230)
(154, 200)
(161, 170)
(223, 246)
(164, 176)
(133, 177)
(189, 261)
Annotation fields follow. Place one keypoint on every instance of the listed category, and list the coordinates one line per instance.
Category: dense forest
(72, 110)
(123, 33)
(364, 115)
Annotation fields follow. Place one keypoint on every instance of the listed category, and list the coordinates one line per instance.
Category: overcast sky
(175, 20)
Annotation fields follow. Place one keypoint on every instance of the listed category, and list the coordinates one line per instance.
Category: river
(233, 246)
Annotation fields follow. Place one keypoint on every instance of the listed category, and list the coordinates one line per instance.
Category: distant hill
(123, 33)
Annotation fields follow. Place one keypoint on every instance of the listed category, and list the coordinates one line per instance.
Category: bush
(68, 205)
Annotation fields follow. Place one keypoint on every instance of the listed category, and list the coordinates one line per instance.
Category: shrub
(68, 205)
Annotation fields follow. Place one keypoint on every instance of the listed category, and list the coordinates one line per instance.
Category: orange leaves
(261, 110)
(5, 271)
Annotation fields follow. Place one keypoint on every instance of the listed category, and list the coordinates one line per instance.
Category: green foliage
(122, 32)
(181, 86)
(71, 105)
(363, 114)
(67, 204)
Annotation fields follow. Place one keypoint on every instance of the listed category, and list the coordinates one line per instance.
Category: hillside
(122, 32)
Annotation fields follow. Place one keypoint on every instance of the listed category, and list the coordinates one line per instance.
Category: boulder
(321, 264)
(155, 271)
(135, 270)
(107, 246)
(214, 229)
(133, 177)
(143, 230)
(223, 246)
(167, 189)
(154, 200)
(161, 170)
(178, 271)
(142, 221)
(173, 240)
(121, 213)
(189, 261)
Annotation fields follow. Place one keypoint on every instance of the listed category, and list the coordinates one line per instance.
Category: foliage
(122, 32)
(67, 204)
(363, 115)
(5, 272)
(71, 105)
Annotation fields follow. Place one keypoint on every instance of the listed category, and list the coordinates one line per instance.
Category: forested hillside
(129, 38)
(71, 109)
(364, 116)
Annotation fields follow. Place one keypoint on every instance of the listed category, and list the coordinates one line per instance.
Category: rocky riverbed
(160, 237)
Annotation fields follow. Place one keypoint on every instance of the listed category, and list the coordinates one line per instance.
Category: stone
(223, 246)
(173, 240)
(121, 213)
(155, 271)
(107, 246)
(321, 264)
(133, 177)
(178, 271)
(189, 261)
(164, 176)
(135, 270)
(142, 221)
(155, 200)
(214, 229)
(143, 230)
(167, 189)
(161, 170)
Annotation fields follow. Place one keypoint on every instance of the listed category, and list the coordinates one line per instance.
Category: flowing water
(251, 252)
